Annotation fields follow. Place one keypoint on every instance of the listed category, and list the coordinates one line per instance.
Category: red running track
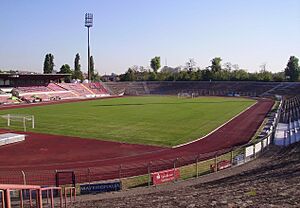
(43, 153)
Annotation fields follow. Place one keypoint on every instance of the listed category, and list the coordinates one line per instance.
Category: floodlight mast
(88, 24)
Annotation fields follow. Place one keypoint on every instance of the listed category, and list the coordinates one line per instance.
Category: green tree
(207, 74)
(216, 64)
(152, 76)
(155, 63)
(66, 69)
(239, 75)
(292, 69)
(183, 76)
(129, 75)
(278, 77)
(48, 64)
(264, 75)
(222, 75)
(77, 68)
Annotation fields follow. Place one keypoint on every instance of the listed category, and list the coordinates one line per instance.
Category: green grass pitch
(155, 120)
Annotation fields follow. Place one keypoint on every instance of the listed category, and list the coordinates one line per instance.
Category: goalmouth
(20, 118)
(186, 95)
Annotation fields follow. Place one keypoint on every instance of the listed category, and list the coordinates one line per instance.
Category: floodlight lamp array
(89, 20)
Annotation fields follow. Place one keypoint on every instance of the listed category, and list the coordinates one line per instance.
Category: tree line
(75, 73)
(215, 72)
(190, 72)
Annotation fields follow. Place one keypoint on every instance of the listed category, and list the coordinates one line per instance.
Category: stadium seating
(4, 98)
(222, 88)
(55, 87)
(97, 88)
(33, 89)
(54, 91)
(77, 88)
(288, 131)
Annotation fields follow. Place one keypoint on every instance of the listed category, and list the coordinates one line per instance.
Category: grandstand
(288, 130)
(19, 88)
(202, 88)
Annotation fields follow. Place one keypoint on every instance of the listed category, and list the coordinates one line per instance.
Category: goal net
(19, 118)
(186, 95)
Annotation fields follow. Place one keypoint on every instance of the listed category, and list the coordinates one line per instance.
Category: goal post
(24, 119)
(186, 95)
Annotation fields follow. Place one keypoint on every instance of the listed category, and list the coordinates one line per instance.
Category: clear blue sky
(131, 32)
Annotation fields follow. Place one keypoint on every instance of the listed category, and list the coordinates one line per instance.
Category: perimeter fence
(135, 174)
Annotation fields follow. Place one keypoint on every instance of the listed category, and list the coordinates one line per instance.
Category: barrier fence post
(89, 178)
(7, 198)
(40, 199)
(216, 163)
(52, 201)
(24, 123)
(197, 171)
(21, 198)
(24, 177)
(244, 150)
(149, 174)
(30, 198)
(32, 120)
(231, 156)
(174, 167)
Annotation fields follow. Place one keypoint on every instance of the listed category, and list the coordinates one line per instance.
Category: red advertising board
(224, 164)
(165, 176)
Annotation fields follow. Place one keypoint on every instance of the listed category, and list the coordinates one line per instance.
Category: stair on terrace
(96, 88)
(77, 88)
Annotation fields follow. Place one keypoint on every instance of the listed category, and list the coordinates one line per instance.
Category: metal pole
(8, 119)
(174, 167)
(61, 198)
(89, 178)
(47, 194)
(24, 124)
(2, 199)
(197, 171)
(89, 73)
(7, 198)
(24, 177)
(30, 198)
(216, 163)
(40, 198)
(149, 175)
(21, 199)
(52, 201)
(32, 122)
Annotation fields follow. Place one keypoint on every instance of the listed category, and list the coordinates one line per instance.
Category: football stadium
(75, 134)
(191, 104)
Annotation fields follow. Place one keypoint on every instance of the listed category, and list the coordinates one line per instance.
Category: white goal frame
(19, 118)
(186, 95)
